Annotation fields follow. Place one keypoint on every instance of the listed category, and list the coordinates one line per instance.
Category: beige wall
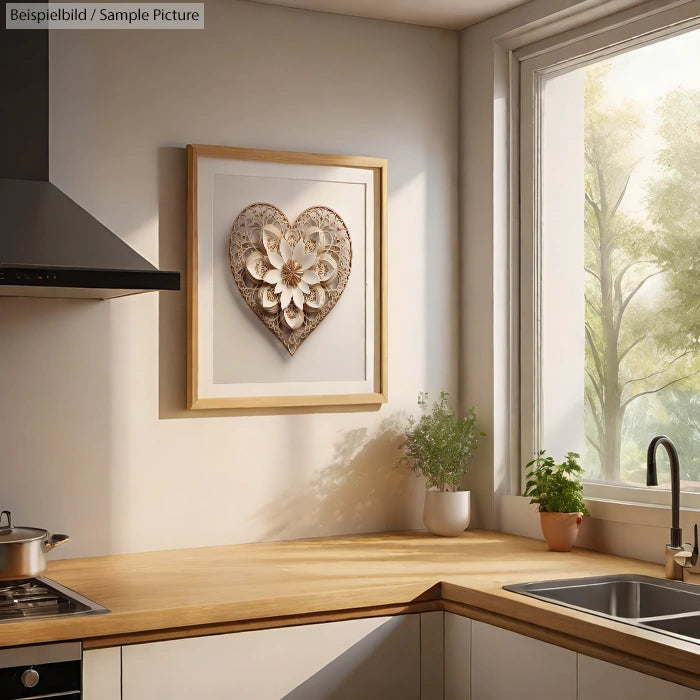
(95, 439)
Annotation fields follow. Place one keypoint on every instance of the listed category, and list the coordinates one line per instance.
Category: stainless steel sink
(622, 595)
(659, 604)
(685, 626)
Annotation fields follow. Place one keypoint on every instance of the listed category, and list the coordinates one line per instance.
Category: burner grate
(40, 597)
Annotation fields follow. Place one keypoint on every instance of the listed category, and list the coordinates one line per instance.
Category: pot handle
(54, 541)
(9, 519)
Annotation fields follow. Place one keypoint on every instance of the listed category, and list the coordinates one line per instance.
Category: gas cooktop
(41, 597)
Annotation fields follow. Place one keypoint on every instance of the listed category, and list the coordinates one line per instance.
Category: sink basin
(687, 626)
(623, 595)
(646, 602)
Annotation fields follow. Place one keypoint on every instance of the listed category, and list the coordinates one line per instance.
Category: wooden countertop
(182, 593)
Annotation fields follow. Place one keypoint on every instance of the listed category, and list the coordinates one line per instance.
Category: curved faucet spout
(652, 480)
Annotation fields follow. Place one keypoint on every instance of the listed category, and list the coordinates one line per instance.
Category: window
(610, 251)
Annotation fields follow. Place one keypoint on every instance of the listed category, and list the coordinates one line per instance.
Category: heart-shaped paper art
(290, 275)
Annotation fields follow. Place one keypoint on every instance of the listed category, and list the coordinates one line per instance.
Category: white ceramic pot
(447, 513)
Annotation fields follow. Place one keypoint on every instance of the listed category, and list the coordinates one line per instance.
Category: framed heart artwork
(287, 280)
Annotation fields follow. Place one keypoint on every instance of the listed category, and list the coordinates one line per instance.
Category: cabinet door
(509, 665)
(102, 671)
(458, 633)
(366, 658)
(600, 680)
(432, 655)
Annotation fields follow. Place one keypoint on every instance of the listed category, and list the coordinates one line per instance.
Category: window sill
(650, 514)
(633, 530)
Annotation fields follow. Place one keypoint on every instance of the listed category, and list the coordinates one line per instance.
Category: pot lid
(12, 535)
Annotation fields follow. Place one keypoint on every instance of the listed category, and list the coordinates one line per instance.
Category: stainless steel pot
(22, 549)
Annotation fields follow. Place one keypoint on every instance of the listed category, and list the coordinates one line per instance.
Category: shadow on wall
(361, 490)
(383, 664)
(172, 237)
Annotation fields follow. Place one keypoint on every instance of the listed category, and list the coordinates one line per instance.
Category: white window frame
(529, 66)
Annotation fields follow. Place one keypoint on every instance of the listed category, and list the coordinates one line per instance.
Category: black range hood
(49, 245)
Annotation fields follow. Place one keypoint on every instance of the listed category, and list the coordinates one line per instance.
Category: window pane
(620, 218)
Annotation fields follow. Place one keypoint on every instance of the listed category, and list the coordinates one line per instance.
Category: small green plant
(439, 445)
(555, 488)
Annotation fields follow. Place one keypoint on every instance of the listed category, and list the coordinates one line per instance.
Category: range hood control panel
(28, 277)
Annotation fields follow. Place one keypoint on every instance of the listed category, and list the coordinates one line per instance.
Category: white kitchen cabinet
(426, 656)
(365, 658)
(509, 665)
(600, 680)
(102, 674)
(458, 633)
(432, 655)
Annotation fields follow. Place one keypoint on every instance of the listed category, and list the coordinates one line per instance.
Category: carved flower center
(291, 273)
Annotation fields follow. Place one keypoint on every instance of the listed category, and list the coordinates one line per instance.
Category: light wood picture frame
(233, 361)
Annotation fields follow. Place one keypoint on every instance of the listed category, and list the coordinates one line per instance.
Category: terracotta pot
(560, 529)
(447, 513)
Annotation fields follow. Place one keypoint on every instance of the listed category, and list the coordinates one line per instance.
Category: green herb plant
(439, 445)
(555, 488)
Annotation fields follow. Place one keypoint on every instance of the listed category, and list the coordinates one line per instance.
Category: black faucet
(678, 557)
